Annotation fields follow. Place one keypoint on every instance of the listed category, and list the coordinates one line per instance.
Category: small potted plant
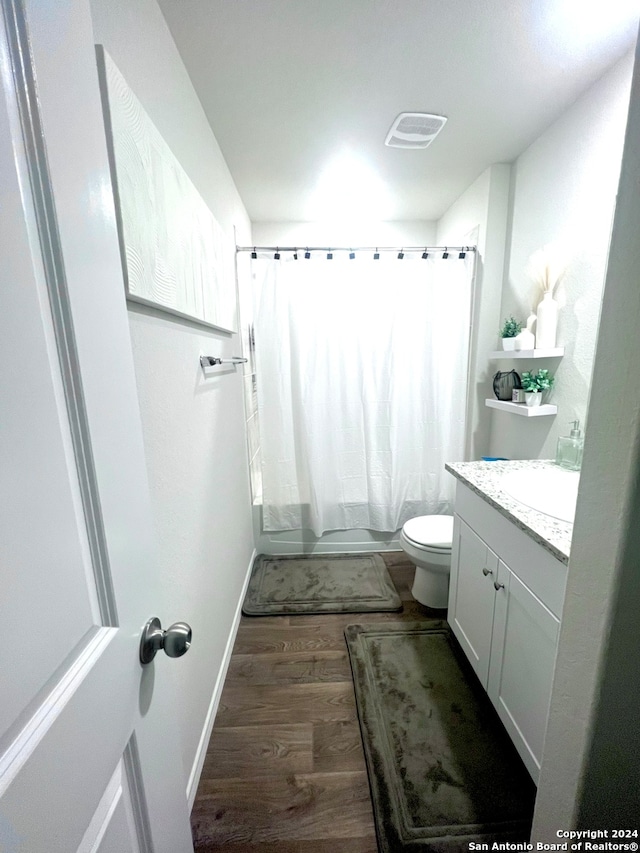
(534, 384)
(510, 329)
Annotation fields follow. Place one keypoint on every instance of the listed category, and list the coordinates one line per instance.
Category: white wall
(410, 233)
(193, 427)
(590, 774)
(480, 216)
(564, 188)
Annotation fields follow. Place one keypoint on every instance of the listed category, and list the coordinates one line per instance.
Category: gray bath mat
(336, 583)
(442, 769)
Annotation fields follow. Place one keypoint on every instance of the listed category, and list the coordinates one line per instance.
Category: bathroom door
(88, 757)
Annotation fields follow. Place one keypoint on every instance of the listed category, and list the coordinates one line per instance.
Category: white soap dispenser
(569, 451)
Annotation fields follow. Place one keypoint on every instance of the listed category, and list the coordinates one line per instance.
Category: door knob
(486, 572)
(497, 585)
(175, 640)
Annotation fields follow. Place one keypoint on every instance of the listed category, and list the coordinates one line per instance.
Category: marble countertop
(484, 479)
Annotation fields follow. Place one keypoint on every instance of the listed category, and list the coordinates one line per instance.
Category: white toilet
(426, 540)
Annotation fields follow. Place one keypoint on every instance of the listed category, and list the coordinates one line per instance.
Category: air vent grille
(414, 130)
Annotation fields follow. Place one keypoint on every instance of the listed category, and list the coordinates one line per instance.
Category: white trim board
(201, 751)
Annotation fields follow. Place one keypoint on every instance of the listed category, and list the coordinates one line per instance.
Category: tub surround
(485, 479)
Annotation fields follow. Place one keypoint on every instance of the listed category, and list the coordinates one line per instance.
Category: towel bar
(212, 360)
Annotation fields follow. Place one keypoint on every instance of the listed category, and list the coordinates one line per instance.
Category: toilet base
(431, 588)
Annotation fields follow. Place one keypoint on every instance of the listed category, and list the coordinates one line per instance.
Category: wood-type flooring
(284, 770)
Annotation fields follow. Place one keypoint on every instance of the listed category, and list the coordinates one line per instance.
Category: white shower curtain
(362, 380)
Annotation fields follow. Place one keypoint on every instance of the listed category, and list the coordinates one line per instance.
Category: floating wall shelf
(522, 408)
(557, 352)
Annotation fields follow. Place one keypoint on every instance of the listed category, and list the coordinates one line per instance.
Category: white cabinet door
(88, 761)
(472, 596)
(525, 639)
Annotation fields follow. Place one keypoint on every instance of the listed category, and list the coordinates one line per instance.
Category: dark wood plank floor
(285, 769)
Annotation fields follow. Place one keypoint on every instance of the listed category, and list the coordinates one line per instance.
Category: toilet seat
(430, 532)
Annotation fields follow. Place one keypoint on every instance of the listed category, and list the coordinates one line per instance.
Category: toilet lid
(430, 531)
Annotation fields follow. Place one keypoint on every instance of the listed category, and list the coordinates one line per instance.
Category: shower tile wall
(245, 301)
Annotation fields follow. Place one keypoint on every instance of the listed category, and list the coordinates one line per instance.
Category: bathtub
(306, 542)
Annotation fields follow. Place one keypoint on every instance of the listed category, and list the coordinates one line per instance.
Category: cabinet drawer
(540, 571)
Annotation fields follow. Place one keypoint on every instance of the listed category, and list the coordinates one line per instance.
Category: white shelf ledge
(522, 408)
(557, 352)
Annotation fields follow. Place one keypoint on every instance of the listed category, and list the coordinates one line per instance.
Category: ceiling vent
(414, 130)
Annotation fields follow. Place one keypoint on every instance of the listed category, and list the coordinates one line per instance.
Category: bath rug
(335, 583)
(442, 770)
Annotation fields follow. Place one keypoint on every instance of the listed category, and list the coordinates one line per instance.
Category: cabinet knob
(497, 585)
(486, 572)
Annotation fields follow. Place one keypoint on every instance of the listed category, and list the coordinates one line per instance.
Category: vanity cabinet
(505, 600)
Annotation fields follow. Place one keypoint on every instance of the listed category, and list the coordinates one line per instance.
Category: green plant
(510, 328)
(536, 382)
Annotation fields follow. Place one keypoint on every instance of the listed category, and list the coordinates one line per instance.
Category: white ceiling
(288, 86)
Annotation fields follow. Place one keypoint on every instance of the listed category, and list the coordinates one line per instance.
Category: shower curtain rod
(356, 248)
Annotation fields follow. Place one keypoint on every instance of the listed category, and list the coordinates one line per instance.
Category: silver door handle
(175, 641)
(497, 585)
(486, 572)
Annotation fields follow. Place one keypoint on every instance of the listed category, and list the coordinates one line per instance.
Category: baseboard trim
(196, 770)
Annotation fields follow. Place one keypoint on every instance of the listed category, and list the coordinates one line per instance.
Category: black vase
(504, 383)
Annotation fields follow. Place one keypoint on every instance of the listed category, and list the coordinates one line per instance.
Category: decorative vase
(508, 343)
(504, 383)
(532, 398)
(547, 322)
(525, 340)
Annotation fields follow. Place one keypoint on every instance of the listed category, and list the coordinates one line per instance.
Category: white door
(523, 654)
(88, 761)
(474, 567)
